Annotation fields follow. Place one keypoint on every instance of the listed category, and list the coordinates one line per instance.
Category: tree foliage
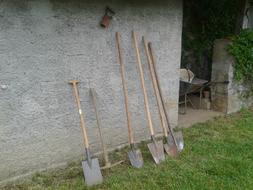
(242, 50)
(205, 21)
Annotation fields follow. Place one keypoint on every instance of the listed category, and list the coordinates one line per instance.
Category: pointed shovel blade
(157, 152)
(135, 158)
(171, 150)
(92, 172)
(180, 140)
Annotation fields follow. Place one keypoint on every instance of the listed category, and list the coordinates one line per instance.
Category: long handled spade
(174, 140)
(108, 164)
(134, 155)
(158, 100)
(156, 147)
(91, 168)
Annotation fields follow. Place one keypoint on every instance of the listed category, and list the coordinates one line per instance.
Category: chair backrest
(186, 75)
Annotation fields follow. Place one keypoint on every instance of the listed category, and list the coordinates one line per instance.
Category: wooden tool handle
(161, 95)
(154, 83)
(150, 125)
(76, 94)
(94, 101)
(122, 71)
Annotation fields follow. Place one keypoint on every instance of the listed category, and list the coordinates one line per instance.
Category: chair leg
(185, 103)
(189, 100)
(200, 97)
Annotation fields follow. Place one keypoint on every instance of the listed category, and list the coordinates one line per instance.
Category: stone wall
(46, 43)
(227, 94)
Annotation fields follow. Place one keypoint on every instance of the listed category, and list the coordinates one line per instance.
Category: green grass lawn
(217, 155)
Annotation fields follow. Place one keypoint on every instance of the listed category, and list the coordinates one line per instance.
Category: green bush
(204, 22)
(242, 50)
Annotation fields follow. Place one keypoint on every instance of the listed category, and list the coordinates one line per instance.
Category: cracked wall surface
(46, 43)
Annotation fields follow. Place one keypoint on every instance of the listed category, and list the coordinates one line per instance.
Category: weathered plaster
(44, 44)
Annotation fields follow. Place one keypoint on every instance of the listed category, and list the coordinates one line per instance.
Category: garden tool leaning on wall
(174, 139)
(169, 148)
(134, 155)
(155, 147)
(91, 168)
(107, 163)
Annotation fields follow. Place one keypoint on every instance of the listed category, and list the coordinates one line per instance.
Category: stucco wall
(44, 44)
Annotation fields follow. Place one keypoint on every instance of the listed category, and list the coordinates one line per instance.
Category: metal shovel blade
(180, 140)
(92, 172)
(157, 152)
(135, 158)
(173, 148)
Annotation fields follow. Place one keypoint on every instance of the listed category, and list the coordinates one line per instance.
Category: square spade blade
(135, 158)
(92, 172)
(157, 151)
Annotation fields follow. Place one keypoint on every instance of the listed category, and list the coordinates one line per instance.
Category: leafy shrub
(204, 22)
(242, 50)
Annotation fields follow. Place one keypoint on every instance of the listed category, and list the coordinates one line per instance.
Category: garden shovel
(174, 140)
(155, 147)
(134, 155)
(167, 148)
(91, 168)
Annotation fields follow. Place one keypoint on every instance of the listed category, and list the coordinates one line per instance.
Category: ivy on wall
(204, 22)
(242, 50)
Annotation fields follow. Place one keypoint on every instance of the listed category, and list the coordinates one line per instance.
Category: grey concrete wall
(44, 44)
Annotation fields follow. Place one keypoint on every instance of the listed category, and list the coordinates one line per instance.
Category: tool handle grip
(150, 125)
(123, 77)
(77, 97)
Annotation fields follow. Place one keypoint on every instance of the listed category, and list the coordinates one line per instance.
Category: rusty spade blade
(170, 147)
(135, 157)
(156, 150)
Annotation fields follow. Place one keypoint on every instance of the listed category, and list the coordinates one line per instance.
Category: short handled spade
(91, 168)
(156, 147)
(134, 155)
